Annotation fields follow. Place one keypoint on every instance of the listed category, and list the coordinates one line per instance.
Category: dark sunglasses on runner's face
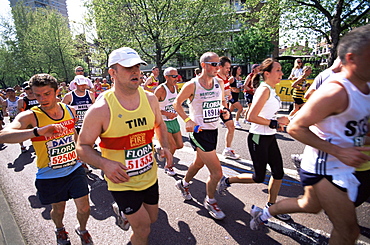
(79, 70)
(174, 76)
(213, 63)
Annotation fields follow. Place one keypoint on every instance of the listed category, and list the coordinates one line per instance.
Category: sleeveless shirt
(28, 104)
(56, 156)
(167, 103)
(154, 84)
(299, 93)
(205, 107)
(128, 140)
(226, 82)
(81, 104)
(12, 107)
(268, 111)
(347, 129)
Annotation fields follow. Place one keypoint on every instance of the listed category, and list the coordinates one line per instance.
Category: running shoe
(62, 237)
(122, 221)
(23, 149)
(184, 190)
(214, 210)
(223, 124)
(237, 125)
(222, 186)
(169, 171)
(230, 154)
(296, 159)
(256, 221)
(85, 236)
(283, 217)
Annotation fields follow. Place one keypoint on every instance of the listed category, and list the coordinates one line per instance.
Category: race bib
(170, 108)
(62, 152)
(211, 111)
(139, 160)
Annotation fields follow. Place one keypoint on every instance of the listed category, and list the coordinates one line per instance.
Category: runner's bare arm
(335, 100)
(96, 121)
(22, 129)
(160, 128)
(67, 99)
(185, 93)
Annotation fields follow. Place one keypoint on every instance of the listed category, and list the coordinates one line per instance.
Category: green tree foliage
(40, 42)
(159, 28)
(250, 46)
(329, 19)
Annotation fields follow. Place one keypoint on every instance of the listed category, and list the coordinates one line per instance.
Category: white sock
(265, 214)
(228, 148)
(210, 200)
(184, 183)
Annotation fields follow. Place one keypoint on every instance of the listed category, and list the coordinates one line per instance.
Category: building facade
(59, 5)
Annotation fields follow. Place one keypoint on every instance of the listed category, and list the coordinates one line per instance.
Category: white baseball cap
(81, 80)
(126, 57)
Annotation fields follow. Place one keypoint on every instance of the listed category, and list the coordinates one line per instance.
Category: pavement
(9, 230)
(10, 233)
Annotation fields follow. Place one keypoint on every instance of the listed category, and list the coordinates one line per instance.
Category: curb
(9, 230)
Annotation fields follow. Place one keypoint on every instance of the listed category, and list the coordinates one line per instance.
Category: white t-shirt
(347, 129)
(268, 111)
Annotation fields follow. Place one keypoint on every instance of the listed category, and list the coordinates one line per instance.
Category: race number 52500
(61, 159)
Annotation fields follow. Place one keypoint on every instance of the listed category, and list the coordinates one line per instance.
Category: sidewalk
(10, 233)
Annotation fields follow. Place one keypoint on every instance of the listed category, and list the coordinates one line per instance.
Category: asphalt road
(179, 221)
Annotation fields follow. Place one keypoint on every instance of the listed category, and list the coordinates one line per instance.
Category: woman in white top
(297, 70)
(261, 139)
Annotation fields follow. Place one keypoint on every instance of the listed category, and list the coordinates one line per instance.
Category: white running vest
(206, 105)
(12, 107)
(167, 103)
(268, 111)
(346, 129)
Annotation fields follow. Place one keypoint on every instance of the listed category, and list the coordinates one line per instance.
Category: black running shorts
(205, 140)
(64, 188)
(129, 202)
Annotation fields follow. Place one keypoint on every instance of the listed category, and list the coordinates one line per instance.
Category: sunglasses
(215, 64)
(79, 70)
(174, 76)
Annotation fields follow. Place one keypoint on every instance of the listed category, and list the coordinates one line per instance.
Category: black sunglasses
(79, 70)
(174, 76)
(215, 64)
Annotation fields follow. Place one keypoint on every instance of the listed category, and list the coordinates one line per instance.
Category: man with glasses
(79, 70)
(206, 96)
(166, 94)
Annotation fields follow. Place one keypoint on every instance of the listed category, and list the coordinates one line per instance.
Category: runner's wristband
(35, 131)
(187, 119)
(273, 124)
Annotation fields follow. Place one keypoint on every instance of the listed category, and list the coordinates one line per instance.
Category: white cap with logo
(126, 57)
(81, 80)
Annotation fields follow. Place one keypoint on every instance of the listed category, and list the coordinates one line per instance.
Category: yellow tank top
(128, 139)
(55, 152)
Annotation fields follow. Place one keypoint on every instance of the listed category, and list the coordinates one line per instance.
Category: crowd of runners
(65, 122)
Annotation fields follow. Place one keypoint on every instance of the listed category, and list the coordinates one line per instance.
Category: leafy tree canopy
(158, 29)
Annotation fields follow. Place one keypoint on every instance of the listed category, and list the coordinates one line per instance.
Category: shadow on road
(22, 160)
(171, 236)
(101, 198)
(236, 222)
(36, 204)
